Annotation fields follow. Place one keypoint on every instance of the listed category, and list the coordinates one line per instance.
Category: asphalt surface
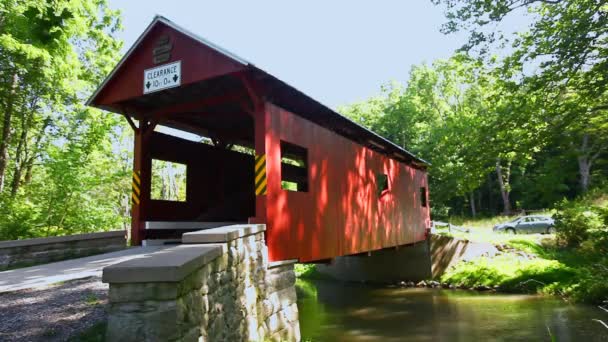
(41, 276)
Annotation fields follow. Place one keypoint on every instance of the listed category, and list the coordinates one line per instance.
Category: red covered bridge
(322, 184)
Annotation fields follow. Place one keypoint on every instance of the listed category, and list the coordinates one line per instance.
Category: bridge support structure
(216, 286)
(420, 261)
(389, 265)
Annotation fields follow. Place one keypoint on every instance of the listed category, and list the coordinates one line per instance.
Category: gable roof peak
(163, 20)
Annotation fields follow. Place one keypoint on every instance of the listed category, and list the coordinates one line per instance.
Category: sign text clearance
(163, 77)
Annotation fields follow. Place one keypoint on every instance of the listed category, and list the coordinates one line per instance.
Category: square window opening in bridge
(294, 167)
(381, 183)
(423, 196)
(168, 181)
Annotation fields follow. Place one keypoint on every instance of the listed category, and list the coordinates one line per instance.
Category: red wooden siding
(341, 213)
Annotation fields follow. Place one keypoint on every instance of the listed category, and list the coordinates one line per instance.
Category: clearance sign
(163, 77)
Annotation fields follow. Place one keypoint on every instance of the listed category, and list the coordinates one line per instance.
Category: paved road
(44, 275)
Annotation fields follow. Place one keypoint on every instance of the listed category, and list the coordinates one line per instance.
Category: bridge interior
(219, 167)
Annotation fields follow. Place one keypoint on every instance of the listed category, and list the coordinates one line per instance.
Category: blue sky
(338, 52)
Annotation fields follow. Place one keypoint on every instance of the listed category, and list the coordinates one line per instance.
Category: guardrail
(436, 225)
(29, 252)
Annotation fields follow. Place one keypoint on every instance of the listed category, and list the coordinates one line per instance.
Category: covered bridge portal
(322, 184)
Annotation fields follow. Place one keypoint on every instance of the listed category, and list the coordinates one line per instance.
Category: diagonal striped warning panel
(260, 175)
(135, 188)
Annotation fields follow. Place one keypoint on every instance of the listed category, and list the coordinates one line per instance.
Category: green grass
(480, 230)
(92, 300)
(510, 272)
(480, 222)
(309, 271)
(544, 267)
(533, 263)
(50, 333)
(565, 273)
(96, 333)
(304, 270)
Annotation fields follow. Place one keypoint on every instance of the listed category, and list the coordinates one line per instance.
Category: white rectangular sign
(163, 77)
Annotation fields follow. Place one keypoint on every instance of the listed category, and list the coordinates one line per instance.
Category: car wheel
(510, 231)
(551, 230)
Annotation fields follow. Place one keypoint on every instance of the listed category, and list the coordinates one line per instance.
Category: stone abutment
(216, 286)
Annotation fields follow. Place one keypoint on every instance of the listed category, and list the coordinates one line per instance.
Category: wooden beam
(131, 123)
(129, 120)
(253, 90)
(196, 105)
(141, 179)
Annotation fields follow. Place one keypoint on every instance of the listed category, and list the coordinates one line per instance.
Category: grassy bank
(573, 264)
(305, 270)
(537, 268)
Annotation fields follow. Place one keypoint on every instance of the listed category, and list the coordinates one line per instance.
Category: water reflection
(331, 311)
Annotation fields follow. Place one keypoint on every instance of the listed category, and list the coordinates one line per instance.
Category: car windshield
(514, 220)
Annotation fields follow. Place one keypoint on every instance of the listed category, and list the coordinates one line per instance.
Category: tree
(439, 115)
(566, 48)
(56, 157)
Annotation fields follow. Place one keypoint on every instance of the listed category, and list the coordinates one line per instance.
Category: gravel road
(59, 312)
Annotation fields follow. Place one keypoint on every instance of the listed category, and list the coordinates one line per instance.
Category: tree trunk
(490, 199)
(6, 130)
(583, 170)
(33, 154)
(585, 159)
(20, 153)
(503, 183)
(472, 204)
(19, 160)
(163, 186)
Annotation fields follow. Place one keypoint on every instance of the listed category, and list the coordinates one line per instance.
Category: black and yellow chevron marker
(260, 175)
(135, 188)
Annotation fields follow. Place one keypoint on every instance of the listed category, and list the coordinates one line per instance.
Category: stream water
(334, 311)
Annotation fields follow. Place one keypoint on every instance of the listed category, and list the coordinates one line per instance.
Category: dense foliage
(522, 131)
(583, 223)
(58, 172)
(574, 266)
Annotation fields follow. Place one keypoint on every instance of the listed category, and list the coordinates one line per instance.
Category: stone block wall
(218, 287)
(29, 252)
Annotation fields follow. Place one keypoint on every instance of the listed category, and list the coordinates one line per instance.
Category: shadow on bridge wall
(342, 213)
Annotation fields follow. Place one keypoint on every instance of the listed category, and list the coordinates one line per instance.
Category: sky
(338, 52)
